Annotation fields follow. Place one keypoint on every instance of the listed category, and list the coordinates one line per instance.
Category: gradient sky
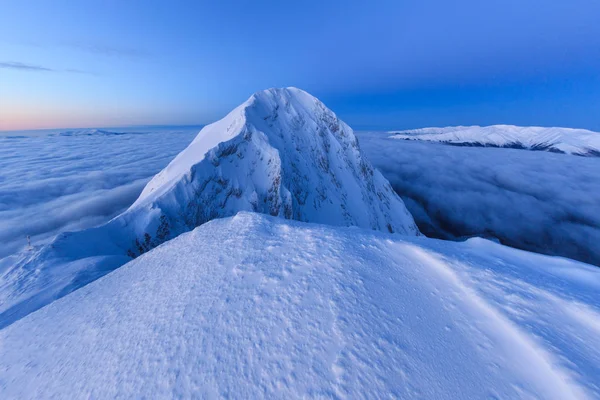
(377, 64)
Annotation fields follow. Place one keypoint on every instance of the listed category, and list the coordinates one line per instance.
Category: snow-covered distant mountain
(260, 307)
(282, 153)
(94, 132)
(561, 140)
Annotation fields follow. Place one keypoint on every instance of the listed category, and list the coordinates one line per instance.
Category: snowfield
(254, 306)
(559, 140)
(533, 200)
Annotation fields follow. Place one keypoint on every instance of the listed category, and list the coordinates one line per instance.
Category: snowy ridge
(561, 140)
(307, 310)
(281, 153)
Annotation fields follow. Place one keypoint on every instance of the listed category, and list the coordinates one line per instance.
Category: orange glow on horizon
(14, 118)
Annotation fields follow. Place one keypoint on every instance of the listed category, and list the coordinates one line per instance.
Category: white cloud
(537, 201)
(53, 183)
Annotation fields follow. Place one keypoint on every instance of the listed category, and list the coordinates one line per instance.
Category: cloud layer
(536, 201)
(54, 183)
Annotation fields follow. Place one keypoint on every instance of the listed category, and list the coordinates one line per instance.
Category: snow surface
(533, 200)
(306, 310)
(50, 183)
(563, 140)
(282, 152)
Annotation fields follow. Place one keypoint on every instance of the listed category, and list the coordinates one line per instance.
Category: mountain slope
(560, 140)
(306, 310)
(282, 153)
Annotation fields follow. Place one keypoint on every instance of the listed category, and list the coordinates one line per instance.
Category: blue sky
(378, 64)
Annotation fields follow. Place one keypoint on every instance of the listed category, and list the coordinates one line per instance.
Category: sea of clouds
(537, 201)
(533, 200)
(58, 181)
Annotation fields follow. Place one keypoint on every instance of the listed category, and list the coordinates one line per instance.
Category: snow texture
(559, 140)
(306, 310)
(282, 152)
(537, 201)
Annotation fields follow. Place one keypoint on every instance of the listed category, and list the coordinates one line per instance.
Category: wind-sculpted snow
(559, 140)
(281, 153)
(313, 311)
(538, 201)
(50, 183)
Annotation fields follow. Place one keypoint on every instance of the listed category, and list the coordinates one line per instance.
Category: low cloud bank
(543, 202)
(54, 183)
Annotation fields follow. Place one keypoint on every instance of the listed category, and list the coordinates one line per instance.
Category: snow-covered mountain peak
(261, 110)
(282, 153)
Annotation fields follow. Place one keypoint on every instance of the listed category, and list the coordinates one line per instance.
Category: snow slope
(282, 152)
(561, 140)
(306, 310)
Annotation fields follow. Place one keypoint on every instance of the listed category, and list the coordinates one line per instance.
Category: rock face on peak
(282, 153)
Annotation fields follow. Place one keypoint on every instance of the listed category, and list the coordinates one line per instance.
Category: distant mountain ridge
(94, 132)
(580, 142)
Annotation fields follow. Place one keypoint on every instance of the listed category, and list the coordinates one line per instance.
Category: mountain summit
(282, 152)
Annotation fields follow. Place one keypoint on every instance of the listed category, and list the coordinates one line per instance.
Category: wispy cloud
(38, 68)
(24, 67)
(108, 50)
(99, 49)
(79, 71)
